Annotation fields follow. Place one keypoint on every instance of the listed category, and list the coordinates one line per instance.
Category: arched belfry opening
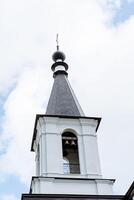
(70, 153)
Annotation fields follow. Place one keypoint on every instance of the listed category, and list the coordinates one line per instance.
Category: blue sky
(12, 185)
(27, 42)
(124, 12)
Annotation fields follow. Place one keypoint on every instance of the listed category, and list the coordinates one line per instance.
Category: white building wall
(49, 138)
(72, 186)
(91, 155)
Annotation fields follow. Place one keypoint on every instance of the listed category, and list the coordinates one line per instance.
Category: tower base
(79, 186)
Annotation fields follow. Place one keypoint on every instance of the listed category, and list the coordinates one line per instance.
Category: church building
(66, 150)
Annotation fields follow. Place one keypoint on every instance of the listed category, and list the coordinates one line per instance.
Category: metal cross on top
(57, 41)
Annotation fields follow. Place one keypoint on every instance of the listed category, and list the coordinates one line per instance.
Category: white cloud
(114, 4)
(26, 99)
(99, 56)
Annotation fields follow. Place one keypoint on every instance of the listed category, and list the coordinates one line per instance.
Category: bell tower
(65, 143)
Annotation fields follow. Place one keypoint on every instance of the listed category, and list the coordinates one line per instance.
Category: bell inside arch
(66, 142)
(73, 143)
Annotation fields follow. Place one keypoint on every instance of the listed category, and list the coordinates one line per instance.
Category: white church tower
(65, 143)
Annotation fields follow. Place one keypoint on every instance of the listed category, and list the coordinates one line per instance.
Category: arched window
(70, 153)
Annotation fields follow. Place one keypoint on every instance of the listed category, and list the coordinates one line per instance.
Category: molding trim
(59, 116)
(64, 196)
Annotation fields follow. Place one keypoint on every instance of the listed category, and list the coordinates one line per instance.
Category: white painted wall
(64, 186)
(49, 131)
(49, 139)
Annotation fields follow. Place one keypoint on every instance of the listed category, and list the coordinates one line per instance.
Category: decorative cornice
(59, 116)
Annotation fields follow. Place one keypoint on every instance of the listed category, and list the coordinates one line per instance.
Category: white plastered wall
(41, 185)
(89, 181)
(49, 131)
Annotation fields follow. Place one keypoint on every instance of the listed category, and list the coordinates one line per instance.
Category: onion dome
(58, 55)
(59, 66)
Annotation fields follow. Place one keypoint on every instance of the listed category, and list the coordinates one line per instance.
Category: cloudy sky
(98, 39)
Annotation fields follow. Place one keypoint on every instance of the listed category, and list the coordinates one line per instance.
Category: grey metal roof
(62, 100)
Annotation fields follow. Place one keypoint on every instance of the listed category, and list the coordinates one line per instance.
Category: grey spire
(62, 100)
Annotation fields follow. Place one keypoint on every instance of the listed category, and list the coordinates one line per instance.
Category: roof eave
(70, 196)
